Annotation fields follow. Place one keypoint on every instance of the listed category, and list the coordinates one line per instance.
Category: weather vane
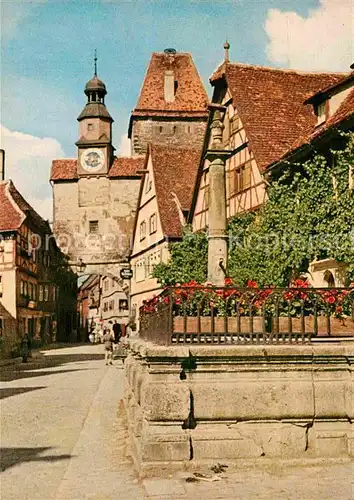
(95, 59)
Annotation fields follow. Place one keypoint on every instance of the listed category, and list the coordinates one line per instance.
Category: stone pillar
(217, 234)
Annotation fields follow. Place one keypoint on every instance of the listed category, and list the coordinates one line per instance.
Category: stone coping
(267, 352)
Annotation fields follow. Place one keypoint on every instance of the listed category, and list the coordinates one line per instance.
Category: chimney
(2, 164)
(170, 86)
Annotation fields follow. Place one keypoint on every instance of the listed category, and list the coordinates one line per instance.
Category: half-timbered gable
(263, 113)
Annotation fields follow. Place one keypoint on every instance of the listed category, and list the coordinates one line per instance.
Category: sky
(47, 51)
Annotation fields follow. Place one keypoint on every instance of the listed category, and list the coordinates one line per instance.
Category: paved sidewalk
(268, 482)
(98, 468)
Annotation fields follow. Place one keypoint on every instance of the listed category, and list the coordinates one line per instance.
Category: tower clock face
(92, 159)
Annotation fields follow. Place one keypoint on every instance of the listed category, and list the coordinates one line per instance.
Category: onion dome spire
(95, 90)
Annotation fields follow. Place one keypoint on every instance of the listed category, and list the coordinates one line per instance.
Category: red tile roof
(175, 171)
(271, 105)
(14, 209)
(11, 216)
(127, 167)
(331, 88)
(343, 113)
(66, 170)
(190, 98)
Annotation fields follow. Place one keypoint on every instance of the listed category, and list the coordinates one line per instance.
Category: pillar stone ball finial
(226, 48)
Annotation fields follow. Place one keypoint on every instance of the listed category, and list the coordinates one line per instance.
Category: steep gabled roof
(175, 170)
(190, 98)
(271, 105)
(14, 209)
(66, 170)
(345, 113)
(11, 217)
(331, 89)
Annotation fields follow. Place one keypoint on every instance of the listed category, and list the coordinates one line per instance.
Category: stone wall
(237, 403)
(189, 133)
(111, 202)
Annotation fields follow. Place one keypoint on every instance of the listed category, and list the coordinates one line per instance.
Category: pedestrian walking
(117, 330)
(25, 348)
(108, 339)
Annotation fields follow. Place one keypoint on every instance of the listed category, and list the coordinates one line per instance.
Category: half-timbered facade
(263, 115)
(37, 288)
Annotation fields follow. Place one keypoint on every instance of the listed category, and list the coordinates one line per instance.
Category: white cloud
(124, 146)
(28, 162)
(324, 40)
(14, 13)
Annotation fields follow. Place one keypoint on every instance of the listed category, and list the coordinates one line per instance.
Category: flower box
(219, 324)
(338, 325)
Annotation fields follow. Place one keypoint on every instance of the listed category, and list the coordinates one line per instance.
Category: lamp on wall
(80, 266)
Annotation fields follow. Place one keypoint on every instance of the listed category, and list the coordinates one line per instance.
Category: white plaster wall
(8, 298)
(336, 100)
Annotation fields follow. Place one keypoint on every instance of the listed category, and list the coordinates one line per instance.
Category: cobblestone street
(62, 439)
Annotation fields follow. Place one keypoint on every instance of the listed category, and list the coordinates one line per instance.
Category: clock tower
(95, 150)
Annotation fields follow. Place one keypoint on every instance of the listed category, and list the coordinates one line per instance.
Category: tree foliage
(309, 215)
(188, 261)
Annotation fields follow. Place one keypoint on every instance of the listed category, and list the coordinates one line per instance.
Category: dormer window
(321, 112)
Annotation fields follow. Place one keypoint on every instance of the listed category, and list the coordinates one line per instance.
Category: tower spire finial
(95, 59)
(226, 47)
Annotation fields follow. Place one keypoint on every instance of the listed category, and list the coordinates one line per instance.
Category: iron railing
(228, 315)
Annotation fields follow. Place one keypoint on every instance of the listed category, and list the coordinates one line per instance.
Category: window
(148, 183)
(55, 296)
(106, 285)
(161, 130)
(321, 113)
(123, 305)
(140, 270)
(175, 86)
(93, 226)
(111, 305)
(152, 224)
(234, 124)
(41, 293)
(25, 288)
(105, 307)
(142, 230)
(242, 179)
(90, 127)
(46, 293)
(329, 279)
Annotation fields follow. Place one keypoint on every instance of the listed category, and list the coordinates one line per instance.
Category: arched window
(329, 278)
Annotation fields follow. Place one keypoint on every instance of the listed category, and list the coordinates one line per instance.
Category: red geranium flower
(252, 284)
